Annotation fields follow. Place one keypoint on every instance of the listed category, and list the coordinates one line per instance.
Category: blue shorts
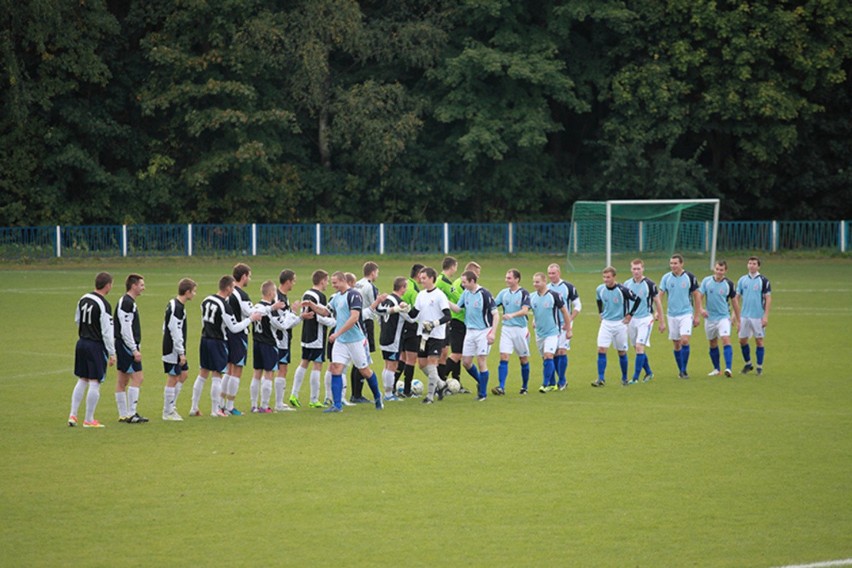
(313, 355)
(90, 360)
(175, 369)
(237, 349)
(213, 355)
(265, 356)
(124, 359)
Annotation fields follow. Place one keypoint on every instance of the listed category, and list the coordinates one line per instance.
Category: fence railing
(401, 238)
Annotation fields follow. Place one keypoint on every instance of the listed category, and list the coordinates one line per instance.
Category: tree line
(410, 111)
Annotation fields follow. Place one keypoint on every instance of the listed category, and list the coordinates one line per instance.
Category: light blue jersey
(646, 291)
(717, 295)
(479, 306)
(679, 289)
(615, 303)
(343, 305)
(546, 311)
(752, 291)
(513, 302)
(568, 293)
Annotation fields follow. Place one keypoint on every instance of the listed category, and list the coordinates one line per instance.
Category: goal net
(612, 233)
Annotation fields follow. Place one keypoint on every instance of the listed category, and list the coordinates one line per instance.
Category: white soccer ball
(400, 387)
(417, 387)
(453, 385)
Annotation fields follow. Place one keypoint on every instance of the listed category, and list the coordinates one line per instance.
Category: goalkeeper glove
(430, 325)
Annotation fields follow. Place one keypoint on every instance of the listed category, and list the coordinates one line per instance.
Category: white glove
(402, 307)
(430, 325)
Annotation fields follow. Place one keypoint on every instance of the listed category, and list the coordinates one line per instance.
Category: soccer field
(744, 471)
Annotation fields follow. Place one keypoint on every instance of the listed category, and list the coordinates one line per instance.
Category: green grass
(705, 472)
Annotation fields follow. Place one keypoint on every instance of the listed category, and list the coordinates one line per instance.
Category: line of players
(429, 320)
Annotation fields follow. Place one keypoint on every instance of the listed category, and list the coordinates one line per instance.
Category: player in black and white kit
(241, 307)
(217, 318)
(316, 320)
(174, 348)
(266, 354)
(393, 320)
(95, 349)
(128, 340)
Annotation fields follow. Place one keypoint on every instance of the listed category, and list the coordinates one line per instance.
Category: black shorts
(213, 355)
(124, 359)
(457, 329)
(370, 332)
(265, 356)
(390, 355)
(313, 355)
(283, 356)
(411, 343)
(237, 348)
(90, 359)
(175, 369)
(433, 348)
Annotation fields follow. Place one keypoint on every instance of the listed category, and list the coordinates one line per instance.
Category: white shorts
(751, 327)
(612, 334)
(563, 341)
(679, 326)
(475, 343)
(718, 328)
(355, 352)
(515, 340)
(639, 331)
(547, 344)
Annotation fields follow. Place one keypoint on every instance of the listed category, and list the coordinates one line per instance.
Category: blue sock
(677, 360)
(645, 365)
(758, 351)
(729, 356)
(714, 357)
(548, 372)
(483, 384)
(373, 382)
(746, 349)
(337, 390)
(684, 356)
(641, 361)
(473, 372)
(561, 367)
(622, 361)
(502, 373)
(601, 366)
(525, 375)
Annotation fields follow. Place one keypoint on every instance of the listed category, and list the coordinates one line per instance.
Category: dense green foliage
(395, 111)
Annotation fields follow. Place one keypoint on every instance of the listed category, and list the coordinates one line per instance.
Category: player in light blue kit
(515, 335)
(717, 290)
(755, 296)
(480, 314)
(572, 303)
(681, 289)
(616, 305)
(546, 306)
(641, 324)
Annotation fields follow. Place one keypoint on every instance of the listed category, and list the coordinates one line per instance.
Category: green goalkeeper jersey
(453, 295)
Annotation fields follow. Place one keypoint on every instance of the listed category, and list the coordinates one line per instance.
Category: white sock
(215, 394)
(315, 385)
(298, 378)
(178, 388)
(197, 389)
(432, 373)
(168, 400)
(92, 398)
(280, 387)
(121, 403)
(388, 377)
(265, 393)
(254, 391)
(328, 385)
(132, 399)
(223, 393)
(77, 395)
(234, 385)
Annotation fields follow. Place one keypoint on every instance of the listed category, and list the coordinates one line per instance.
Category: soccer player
(265, 345)
(95, 349)
(350, 343)
(755, 296)
(546, 305)
(449, 266)
(681, 290)
(515, 335)
(283, 337)
(316, 319)
(572, 301)
(716, 291)
(480, 315)
(410, 340)
(456, 329)
(241, 307)
(391, 311)
(174, 348)
(642, 322)
(217, 319)
(367, 288)
(616, 306)
(128, 339)
(432, 312)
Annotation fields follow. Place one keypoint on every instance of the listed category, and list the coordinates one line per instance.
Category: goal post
(606, 231)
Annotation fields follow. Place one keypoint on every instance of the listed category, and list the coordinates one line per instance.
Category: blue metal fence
(408, 238)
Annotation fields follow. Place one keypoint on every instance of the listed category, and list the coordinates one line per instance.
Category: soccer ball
(400, 387)
(417, 387)
(453, 385)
